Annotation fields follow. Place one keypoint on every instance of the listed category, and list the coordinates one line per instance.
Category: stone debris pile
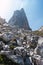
(21, 46)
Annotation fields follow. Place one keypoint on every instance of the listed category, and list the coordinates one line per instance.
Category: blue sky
(33, 10)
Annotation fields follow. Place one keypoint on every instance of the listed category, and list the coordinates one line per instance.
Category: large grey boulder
(37, 60)
(17, 59)
(40, 51)
(40, 41)
(7, 36)
(20, 51)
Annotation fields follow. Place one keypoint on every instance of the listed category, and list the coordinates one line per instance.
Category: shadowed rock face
(19, 19)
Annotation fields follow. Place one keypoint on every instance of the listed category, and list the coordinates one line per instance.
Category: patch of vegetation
(5, 61)
(39, 33)
(12, 47)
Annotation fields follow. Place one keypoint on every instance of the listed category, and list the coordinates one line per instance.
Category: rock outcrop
(41, 28)
(2, 21)
(19, 19)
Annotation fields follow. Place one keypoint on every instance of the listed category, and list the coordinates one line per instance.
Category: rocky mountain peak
(19, 19)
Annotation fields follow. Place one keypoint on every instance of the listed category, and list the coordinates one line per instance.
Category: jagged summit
(19, 19)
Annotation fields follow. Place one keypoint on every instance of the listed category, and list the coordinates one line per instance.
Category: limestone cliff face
(19, 19)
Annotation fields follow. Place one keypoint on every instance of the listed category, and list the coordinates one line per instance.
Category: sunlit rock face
(2, 21)
(19, 19)
(41, 28)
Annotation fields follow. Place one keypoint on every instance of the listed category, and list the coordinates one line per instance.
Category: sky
(33, 10)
